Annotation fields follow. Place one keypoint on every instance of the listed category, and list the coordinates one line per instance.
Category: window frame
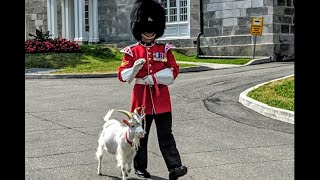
(177, 23)
(86, 25)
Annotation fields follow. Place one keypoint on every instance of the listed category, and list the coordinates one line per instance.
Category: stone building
(221, 27)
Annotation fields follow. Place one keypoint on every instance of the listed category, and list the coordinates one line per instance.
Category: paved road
(217, 137)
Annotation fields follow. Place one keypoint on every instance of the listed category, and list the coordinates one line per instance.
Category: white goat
(121, 139)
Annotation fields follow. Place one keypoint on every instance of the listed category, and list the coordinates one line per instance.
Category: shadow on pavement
(118, 178)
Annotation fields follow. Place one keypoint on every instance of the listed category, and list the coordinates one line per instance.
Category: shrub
(40, 35)
(43, 44)
(58, 45)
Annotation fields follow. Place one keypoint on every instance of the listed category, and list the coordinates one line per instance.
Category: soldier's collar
(147, 44)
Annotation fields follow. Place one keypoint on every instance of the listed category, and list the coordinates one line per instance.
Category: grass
(94, 59)
(279, 94)
(238, 61)
(100, 59)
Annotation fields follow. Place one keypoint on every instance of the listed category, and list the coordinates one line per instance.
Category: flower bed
(58, 45)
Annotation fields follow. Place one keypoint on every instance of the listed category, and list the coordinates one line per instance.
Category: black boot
(177, 172)
(142, 173)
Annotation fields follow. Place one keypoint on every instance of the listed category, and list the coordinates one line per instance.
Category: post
(49, 16)
(95, 21)
(76, 21)
(54, 20)
(63, 14)
(254, 46)
(256, 30)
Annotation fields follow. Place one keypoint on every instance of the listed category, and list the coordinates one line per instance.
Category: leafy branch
(40, 35)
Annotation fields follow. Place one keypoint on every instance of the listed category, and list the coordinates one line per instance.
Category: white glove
(139, 63)
(165, 76)
(148, 80)
(129, 73)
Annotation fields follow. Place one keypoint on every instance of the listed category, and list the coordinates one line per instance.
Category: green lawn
(100, 59)
(94, 59)
(238, 61)
(278, 94)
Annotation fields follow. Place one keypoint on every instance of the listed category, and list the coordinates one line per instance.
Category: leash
(143, 107)
(127, 139)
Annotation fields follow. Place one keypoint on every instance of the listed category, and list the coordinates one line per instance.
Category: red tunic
(158, 57)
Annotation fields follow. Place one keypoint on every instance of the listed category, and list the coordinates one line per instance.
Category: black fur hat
(147, 16)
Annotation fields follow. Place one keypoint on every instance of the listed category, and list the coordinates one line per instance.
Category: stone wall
(36, 16)
(227, 23)
(283, 22)
(114, 22)
(194, 18)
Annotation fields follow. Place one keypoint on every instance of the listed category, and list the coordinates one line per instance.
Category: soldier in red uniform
(153, 67)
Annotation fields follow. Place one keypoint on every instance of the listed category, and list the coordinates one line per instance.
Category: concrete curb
(194, 69)
(272, 112)
(65, 76)
(259, 61)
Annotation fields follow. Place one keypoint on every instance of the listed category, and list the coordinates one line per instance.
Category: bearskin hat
(147, 16)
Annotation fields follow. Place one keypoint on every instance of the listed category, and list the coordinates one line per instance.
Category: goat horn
(126, 113)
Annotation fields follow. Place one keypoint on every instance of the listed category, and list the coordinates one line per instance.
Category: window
(183, 10)
(177, 17)
(172, 11)
(176, 10)
(86, 15)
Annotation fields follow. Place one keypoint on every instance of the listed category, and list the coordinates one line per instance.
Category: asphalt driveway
(217, 137)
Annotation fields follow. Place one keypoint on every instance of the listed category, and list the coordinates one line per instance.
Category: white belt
(140, 81)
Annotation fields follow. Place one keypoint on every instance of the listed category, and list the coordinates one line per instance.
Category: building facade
(221, 27)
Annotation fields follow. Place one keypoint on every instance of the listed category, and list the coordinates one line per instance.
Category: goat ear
(126, 122)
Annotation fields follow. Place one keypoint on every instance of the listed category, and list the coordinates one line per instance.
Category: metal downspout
(199, 52)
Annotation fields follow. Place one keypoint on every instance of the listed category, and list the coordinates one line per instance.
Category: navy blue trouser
(166, 142)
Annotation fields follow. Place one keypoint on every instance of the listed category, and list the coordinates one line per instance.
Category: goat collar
(127, 139)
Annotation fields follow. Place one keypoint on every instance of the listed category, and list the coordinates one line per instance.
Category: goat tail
(108, 115)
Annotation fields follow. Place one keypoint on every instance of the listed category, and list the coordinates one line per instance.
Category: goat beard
(136, 143)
